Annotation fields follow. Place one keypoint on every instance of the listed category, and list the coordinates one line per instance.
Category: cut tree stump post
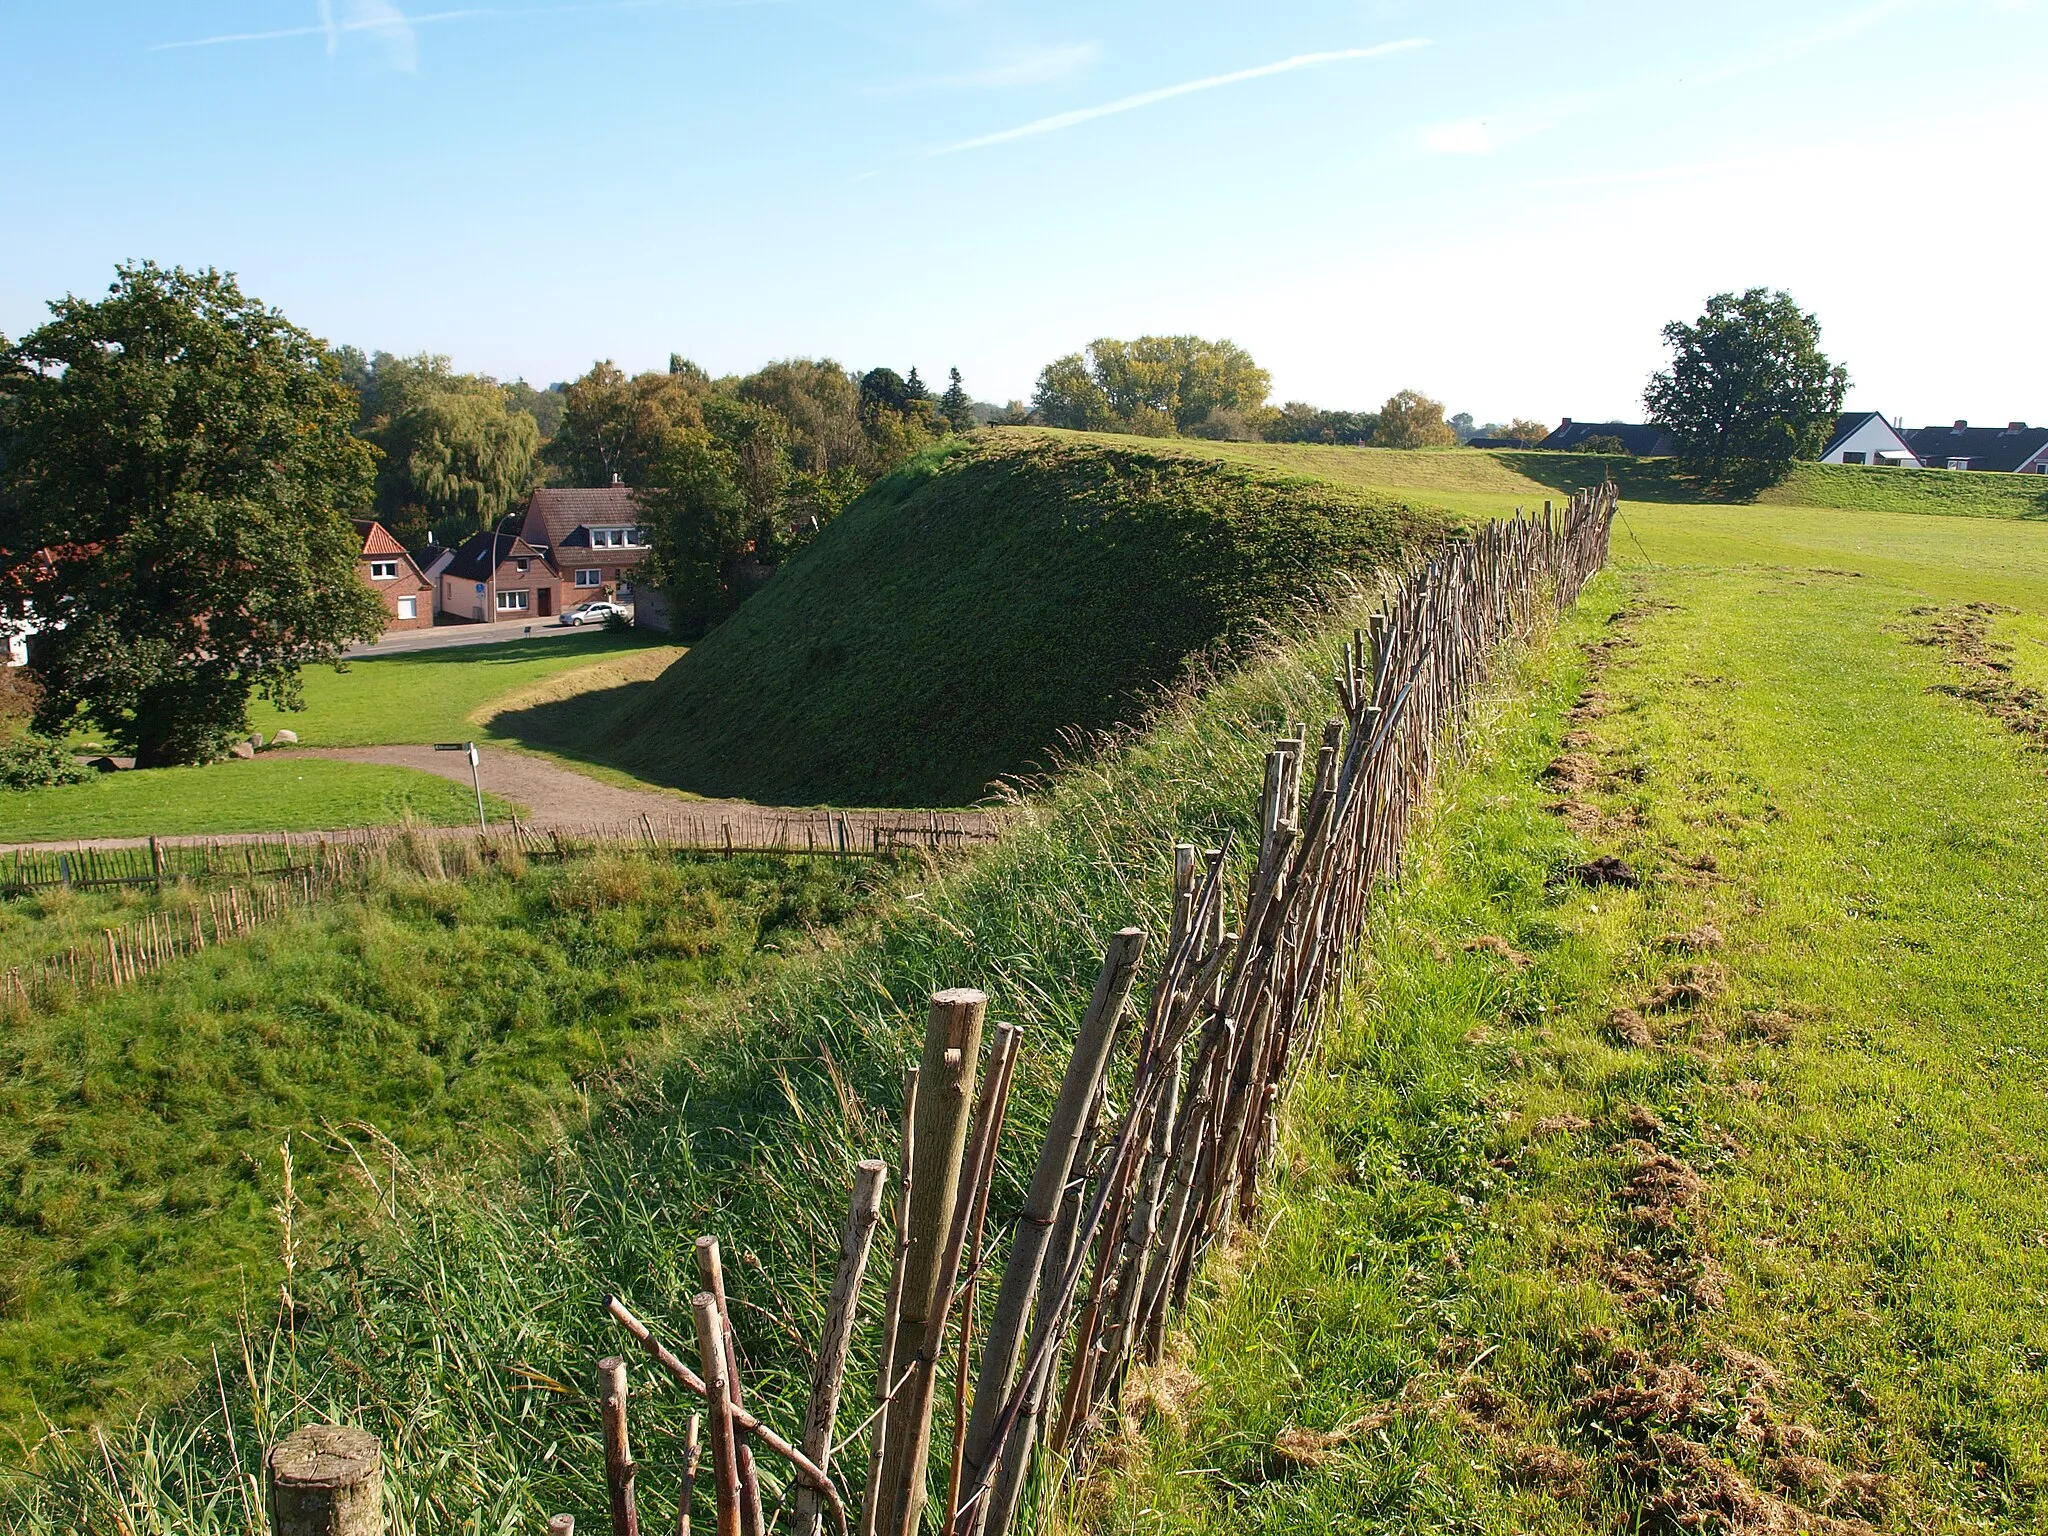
(562, 1525)
(326, 1480)
(725, 1472)
(618, 1450)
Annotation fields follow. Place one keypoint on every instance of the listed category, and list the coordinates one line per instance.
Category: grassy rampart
(983, 612)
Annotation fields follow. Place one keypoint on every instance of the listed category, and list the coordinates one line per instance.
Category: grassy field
(1708, 1203)
(1529, 477)
(442, 1018)
(266, 794)
(439, 695)
(981, 613)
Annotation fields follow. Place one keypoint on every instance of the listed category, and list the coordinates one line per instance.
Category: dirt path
(559, 799)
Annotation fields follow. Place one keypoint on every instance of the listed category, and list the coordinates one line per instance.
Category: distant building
(1644, 442)
(2013, 449)
(566, 547)
(392, 573)
(1865, 437)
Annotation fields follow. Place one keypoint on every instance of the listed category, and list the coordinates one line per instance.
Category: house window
(1853, 458)
(590, 578)
(1958, 463)
(522, 566)
(511, 602)
(383, 570)
(617, 538)
(408, 607)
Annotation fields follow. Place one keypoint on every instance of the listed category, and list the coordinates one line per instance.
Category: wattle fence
(1132, 1188)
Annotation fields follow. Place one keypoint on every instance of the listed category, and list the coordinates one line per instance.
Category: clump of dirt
(1582, 818)
(1572, 772)
(1607, 869)
(1560, 1125)
(1662, 1187)
(1694, 941)
(1576, 741)
(1774, 1026)
(1643, 1120)
(1499, 948)
(1590, 705)
(1686, 1484)
(1318, 1447)
(1546, 1467)
(1631, 1029)
(1964, 636)
(1692, 987)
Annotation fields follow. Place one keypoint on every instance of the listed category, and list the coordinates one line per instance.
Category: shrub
(36, 762)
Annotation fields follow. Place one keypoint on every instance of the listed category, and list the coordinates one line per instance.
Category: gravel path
(559, 799)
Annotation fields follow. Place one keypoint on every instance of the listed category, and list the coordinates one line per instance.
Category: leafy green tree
(543, 405)
(616, 428)
(697, 518)
(1154, 385)
(1299, 422)
(1413, 420)
(455, 461)
(1068, 396)
(819, 404)
(1748, 391)
(177, 471)
(955, 405)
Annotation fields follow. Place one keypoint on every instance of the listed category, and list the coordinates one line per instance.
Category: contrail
(1061, 120)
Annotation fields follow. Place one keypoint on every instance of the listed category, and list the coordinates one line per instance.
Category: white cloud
(1060, 120)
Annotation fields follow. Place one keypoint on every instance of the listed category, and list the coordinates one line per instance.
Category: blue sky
(1498, 203)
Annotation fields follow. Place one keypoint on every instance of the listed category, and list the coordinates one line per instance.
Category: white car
(596, 612)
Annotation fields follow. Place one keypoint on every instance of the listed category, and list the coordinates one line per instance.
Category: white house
(1865, 437)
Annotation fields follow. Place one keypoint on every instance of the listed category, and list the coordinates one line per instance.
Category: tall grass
(464, 1329)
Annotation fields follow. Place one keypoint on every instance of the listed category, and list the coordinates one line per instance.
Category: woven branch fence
(1122, 1205)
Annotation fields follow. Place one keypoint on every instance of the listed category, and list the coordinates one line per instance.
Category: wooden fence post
(326, 1480)
(618, 1450)
(945, 1089)
(855, 1243)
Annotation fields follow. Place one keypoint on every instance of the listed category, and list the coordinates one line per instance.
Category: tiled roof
(1642, 441)
(482, 553)
(1996, 448)
(555, 513)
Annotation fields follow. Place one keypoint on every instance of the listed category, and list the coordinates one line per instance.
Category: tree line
(178, 462)
(1186, 386)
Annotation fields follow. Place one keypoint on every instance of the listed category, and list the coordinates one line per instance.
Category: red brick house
(394, 576)
(594, 538)
(566, 547)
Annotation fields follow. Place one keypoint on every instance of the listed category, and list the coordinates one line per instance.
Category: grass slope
(1760, 1253)
(980, 609)
(464, 1330)
(267, 794)
(459, 1016)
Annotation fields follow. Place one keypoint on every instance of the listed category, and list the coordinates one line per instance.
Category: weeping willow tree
(457, 449)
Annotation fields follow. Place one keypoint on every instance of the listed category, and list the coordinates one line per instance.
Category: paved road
(442, 637)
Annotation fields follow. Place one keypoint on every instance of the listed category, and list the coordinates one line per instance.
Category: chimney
(1959, 426)
(2015, 426)
(615, 477)
(1567, 421)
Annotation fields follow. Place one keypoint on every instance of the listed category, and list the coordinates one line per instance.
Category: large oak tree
(177, 472)
(1748, 390)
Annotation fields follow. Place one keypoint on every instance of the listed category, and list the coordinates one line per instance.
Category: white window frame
(383, 570)
(590, 577)
(1958, 463)
(408, 607)
(513, 601)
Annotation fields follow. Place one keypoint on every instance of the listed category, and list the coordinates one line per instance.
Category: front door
(545, 597)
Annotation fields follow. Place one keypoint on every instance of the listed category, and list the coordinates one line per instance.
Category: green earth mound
(988, 607)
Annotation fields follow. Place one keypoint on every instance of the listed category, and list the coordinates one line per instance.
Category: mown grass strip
(1703, 1202)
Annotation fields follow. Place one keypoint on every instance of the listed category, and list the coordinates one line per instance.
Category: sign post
(475, 779)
